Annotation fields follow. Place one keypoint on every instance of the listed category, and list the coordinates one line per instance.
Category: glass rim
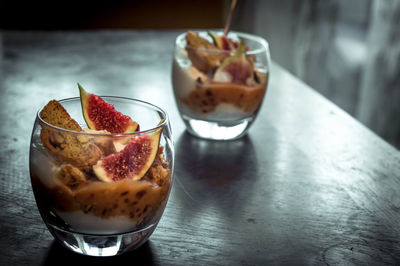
(264, 43)
(163, 122)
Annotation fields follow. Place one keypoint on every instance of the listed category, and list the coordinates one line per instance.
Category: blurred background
(349, 51)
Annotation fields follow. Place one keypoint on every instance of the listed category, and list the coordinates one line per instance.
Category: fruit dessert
(218, 80)
(96, 180)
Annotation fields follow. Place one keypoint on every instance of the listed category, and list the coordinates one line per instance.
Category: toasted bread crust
(71, 148)
(55, 114)
(67, 147)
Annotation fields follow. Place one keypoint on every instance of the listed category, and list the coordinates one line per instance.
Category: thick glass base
(226, 130)
(101, 245)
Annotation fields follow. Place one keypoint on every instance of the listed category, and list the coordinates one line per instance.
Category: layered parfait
(217, 78)
(106, 177)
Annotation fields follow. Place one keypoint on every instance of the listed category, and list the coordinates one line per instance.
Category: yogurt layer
(90, 224)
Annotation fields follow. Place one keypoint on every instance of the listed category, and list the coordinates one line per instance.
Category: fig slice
(237, 67)
(222, 42)
(100, 115)
(132, 162)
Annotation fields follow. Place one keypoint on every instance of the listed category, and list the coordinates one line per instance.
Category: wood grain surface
(308, 185)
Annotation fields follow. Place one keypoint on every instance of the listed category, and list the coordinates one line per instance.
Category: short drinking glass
(89, 214)
(219, 82)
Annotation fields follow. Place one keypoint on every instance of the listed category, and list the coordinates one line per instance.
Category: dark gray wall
(349, 51)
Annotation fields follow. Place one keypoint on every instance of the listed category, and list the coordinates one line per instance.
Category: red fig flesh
(100, 115)
(132, 162)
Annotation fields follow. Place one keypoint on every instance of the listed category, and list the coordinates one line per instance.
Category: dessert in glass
(101, 182)
(219, 82)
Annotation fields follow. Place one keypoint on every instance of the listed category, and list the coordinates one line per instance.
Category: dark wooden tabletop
(309, 185)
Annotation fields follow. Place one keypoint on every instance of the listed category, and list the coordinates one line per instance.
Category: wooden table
(308, 185)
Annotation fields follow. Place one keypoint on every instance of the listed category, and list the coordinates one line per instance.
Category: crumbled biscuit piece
(105, 143)
(159, 174)
(71, 176)
(55, 114)
(207, 58)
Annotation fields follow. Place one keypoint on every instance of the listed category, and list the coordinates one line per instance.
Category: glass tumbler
(89, 214)
(219, 82)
